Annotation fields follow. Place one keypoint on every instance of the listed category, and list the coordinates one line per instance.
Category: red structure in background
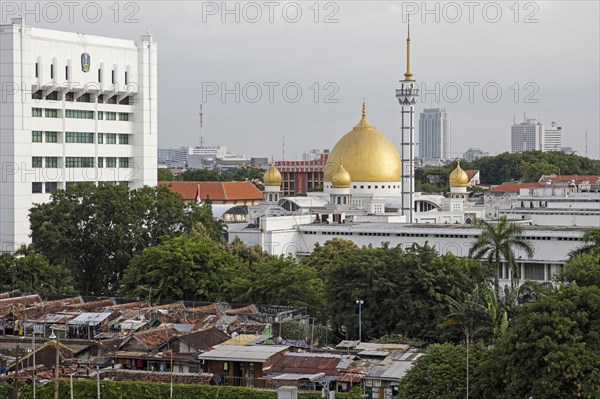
(298, 177)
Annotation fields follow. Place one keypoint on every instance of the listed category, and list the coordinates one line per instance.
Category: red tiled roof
(216, 191)
(157, 336)
(512, 187)
(471, 173)
(577, 178)
(206, 339)
(306, 364)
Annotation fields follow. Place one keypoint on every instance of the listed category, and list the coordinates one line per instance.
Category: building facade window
(51, 186)
(36, 112)
(100, 138)
(52, 162)
(100, 115)
(36, 136)
(36, 187)
(111, 162)
(110, 116)
(51, 137)
(110, 138)
(100, 162)
(79, 114)
(123, 162)
(36, 162)
(51, 113)
(123, 116)
(79, 137)
(79, 162)
(123, 139)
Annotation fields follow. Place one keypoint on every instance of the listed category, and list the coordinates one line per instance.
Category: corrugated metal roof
(297, 377)
(250, 353)
(245, 339)
(374, 353)
(90, 318)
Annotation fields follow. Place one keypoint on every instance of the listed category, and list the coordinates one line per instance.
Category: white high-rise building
(527, 136)
(553, 137)
(434, 134)
(76, 108)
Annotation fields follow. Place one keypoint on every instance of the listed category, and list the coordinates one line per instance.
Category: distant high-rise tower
(407, 95)
(434, 134)
(527, 136)
(553, 137)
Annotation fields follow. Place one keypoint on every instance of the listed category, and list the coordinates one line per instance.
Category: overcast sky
(543, 56)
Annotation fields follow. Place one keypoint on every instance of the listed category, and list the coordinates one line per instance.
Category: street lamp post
(33, 355)
(359, 302)
(57, 348)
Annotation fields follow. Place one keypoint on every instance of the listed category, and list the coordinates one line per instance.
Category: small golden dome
(272, 176)
(458, 177)
(368, 155)
(341, 178)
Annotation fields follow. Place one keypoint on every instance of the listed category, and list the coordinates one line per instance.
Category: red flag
(198, 200)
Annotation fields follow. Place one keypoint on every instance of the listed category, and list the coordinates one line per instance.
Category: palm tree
(468, 313)
(591, 239)
(496, 243)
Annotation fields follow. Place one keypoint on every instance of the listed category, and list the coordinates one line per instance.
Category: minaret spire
(407, 96)
(408, 75)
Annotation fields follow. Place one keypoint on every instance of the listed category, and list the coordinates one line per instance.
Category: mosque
(369, 198)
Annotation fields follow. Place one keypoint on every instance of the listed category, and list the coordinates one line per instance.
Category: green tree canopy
(94, 231)
(322, 255)
(550, 351)
(584, 270)
(441, 372)
(279, 281)
(497, 243)
(165, 174)
(187, 267)
(404, 291)
(31, 272)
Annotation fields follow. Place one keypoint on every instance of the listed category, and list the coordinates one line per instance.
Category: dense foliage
(29, 271)
(188, 267)
(501, 242)
(87, 389)
(549, 348)
(95, 231)
(526, 166)
(242, 174)
(442, 373)
(403, 290)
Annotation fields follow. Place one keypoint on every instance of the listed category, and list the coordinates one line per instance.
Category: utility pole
(15, 393)
(359, 302)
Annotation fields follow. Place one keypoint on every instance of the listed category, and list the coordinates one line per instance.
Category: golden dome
(341, 178)
(458, 177)
(272, 176)
(368, 155)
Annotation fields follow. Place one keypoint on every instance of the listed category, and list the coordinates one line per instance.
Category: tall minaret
(407, 95)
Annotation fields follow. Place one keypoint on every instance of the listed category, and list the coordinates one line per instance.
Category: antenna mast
(283, 148)
(201, 127)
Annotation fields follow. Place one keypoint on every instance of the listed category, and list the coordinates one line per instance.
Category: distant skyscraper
(527, 136)
(473, 154)
(553, 137)
(434, 134)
